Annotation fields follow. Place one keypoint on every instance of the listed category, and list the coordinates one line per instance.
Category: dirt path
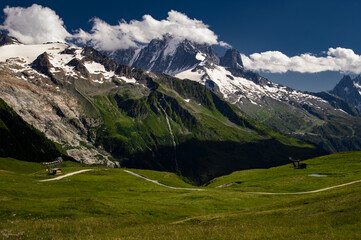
(66, 175)
(262, 193)
(161, 184)
(314, 191)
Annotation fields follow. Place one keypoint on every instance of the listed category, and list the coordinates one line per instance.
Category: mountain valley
(180, 120)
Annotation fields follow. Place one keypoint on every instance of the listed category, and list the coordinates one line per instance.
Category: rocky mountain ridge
(168, 55)
(322, 118)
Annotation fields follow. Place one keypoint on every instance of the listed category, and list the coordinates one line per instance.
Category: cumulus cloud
(38, 24)
(125, 35)
(105, 37)
(35, 24)
(336, 59)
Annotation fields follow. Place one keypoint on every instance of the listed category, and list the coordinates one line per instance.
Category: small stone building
(56, 171)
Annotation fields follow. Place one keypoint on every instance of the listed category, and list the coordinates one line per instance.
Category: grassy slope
(206, 129)
(109, 203)
(285, 179)
(322, 127)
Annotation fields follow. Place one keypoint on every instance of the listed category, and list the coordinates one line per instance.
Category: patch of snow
(97, 81)
(97, 68)
(341, 110)
(189, 74)
(94, 67)
(200, 56)
(29, 52)
(135, 56)
(128, 80)
(78, 54)
(61, 60)
(187, 100)
(254, 103)
(358, 86)
(171, 47)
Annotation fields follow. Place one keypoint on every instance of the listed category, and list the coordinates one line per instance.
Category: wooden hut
(56, 171)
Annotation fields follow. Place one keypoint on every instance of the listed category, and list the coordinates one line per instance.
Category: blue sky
(290, 27)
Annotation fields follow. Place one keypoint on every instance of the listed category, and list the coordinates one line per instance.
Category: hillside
(128, 207)
(211, 137)
(22, 141)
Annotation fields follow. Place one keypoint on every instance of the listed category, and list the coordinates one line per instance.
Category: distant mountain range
(323, 118)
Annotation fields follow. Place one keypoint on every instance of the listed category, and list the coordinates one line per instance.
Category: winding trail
(161, 184)
(199, 189)
(66, 175)
(314, 191)
(261, 193)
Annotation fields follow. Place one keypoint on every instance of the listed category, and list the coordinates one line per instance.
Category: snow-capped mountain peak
(350, 90)
(169, 55)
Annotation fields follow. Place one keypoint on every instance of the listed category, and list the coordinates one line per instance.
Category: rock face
(22, 141)
(350, 90)
(79, 66)
(231, 59)
(7, 40)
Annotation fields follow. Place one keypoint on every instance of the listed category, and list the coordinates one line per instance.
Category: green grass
(338, 168)
(166, 178)
(16, 166)
(112, 204)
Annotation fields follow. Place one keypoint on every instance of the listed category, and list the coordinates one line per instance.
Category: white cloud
(105, 37)
(35, 24)
(125, 35)
(336, 59)
(38, 24)
(224, 44)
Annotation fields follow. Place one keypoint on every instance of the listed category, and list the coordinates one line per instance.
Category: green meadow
(113, 204)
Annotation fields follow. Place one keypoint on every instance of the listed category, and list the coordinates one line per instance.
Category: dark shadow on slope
(201, 161)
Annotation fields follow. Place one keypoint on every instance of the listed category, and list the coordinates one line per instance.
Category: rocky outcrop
(350, 90)
(90, 54)
(232, 59)
(79, 66)
(43, 65)
(7, 40)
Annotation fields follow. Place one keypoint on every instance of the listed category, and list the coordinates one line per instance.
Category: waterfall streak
(173, 140)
